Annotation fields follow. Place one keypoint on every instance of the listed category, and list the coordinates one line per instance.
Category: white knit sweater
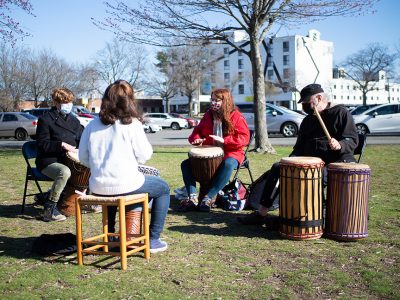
(112, 153)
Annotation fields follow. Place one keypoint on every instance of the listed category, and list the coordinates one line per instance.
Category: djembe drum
(133, 219)
(301, 190)
(204, 162)
(347, 201)
(79, 181)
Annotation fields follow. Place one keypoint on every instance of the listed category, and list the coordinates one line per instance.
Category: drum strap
(299, 223)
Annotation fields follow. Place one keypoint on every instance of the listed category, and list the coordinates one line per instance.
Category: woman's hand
(198, 142)
(218, 139)
(68, 147)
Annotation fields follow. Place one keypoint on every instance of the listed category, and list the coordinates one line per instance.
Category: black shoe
(252, 219)
(51, 212)
(205, 205)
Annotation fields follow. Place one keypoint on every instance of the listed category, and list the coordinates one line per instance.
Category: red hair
(227, 107)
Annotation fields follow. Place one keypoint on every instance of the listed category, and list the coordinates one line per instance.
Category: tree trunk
(190, 97)
(364, 97)
(167, 105)
(262, 143)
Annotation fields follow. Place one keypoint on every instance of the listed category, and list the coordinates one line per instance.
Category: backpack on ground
(256, 193)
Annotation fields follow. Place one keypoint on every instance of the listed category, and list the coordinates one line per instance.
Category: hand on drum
(198, 142)
(68, 147)
(334, 144)
(218, 139)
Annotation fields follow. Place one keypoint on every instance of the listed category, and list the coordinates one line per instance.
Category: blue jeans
(220, 179)
(158, 190)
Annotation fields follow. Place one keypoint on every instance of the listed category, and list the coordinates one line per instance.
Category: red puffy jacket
(233, 143)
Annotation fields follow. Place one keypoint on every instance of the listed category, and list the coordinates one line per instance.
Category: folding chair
(29, 151)
(246, 163)
(362, 142)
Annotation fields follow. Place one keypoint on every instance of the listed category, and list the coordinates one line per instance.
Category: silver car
(381, 119)
(279, 119)
(17, 124)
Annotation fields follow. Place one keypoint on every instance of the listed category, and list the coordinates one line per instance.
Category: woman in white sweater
(112, 146)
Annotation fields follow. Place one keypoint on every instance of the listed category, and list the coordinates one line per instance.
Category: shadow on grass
(32, 211)
(222, 223)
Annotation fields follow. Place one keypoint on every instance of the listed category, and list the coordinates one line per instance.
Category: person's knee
(65, 172)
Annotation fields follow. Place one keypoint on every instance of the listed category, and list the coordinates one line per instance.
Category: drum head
(347, 166)
(301, 160)
(206, 152)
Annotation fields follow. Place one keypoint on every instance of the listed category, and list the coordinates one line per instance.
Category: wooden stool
(99, 244)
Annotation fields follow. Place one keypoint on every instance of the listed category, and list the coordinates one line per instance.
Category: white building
(292, 63)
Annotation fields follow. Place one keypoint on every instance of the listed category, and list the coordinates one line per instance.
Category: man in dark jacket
(57, 133)
(311, 141)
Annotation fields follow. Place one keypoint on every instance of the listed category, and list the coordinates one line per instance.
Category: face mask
(307, 108)
(66, 108)
(216, 105)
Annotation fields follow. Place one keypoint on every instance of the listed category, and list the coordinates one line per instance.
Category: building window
(270, 74)
(286, 60)
(334, 97)
(348, 87)
(226, 76)
(348, 97)
(269, 62)
(286, 46)
(240, 76)
(241, 89)
(226, 51)
(286, 73)
(334, 86)
(227, 86)
(240, 53)
(240, 64)
(226, 64)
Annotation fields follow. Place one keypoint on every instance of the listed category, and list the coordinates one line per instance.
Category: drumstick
(322, 122)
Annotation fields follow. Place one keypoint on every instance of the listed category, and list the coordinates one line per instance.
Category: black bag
(256, 193)
(232, 196)
(55, 244)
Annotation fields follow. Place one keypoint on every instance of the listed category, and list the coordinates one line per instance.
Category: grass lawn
(210, 256)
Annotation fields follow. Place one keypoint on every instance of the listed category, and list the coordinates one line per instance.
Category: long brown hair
(227, 107)
(119, 103)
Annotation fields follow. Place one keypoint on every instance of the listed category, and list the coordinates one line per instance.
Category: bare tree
(156, 21)
(12, 75)
(122, 60)
(363, 67)
(165, 82)
(10, 29)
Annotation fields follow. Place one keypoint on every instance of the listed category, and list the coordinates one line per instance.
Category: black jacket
(53, 129)
(312, 141)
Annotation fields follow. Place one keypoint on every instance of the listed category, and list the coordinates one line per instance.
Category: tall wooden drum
(301, 190)
(79, 181)
(347, 201)
(204, 163)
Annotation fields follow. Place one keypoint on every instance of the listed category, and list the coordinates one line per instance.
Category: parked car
(150, 127)
(17, 124)
(381, 119)
(37, 111)
(279, 119)
(166, 120)
(192, 122)
(40, 111)
(82, 111)
(359, 109)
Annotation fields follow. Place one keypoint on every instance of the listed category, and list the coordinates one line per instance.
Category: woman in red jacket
(222, 125)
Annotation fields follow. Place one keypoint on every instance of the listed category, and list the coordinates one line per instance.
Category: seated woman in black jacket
(57, 133)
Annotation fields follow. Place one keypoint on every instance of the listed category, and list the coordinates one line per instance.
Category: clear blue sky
(65, 27)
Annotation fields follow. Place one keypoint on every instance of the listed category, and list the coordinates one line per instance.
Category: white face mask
(66, 108)
(216, 105)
